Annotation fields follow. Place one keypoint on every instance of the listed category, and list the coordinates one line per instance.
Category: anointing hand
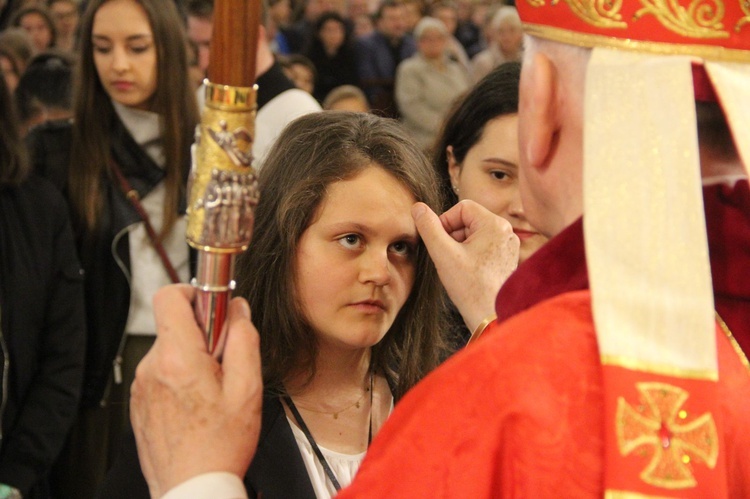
(474, 251)
(190, 414)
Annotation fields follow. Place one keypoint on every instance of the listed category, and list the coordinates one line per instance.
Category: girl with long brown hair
(129, 145)
(348, 304)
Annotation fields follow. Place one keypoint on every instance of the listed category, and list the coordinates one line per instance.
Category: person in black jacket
(332, 53)
(134, 113)
(42, 324)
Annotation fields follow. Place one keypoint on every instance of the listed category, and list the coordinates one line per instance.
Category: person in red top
(614, 368)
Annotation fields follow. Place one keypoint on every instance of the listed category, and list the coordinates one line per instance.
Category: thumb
(431, 230)
(241, 360)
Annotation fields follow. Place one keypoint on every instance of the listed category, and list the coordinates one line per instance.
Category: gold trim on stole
(622, 494)
(735, 346)
(660, 369)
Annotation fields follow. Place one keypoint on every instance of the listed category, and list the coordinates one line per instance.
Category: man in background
(379, 54)
(199, 25)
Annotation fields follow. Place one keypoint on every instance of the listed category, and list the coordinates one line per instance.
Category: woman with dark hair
(134, 116)
(476, 157)
(37, 21)
(332, 53)
(476, 154)
(345, 297)
(42, 322)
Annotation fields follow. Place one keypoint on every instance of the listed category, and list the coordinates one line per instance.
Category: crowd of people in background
(321, 44)
(101, 98)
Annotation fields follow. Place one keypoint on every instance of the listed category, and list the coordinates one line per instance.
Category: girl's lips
(370, 306)
(122, 85)
(524, 234)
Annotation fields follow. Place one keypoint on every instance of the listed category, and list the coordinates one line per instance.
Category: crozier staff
(223, 187)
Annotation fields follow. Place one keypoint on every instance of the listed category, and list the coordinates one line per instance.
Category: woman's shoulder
(412, 66)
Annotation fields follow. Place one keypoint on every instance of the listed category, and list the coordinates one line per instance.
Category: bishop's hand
(191, 414)
(474, 250)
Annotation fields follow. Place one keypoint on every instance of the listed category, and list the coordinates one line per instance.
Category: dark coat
(377, 63)
(341, 69)
(42, 335)
(104, 253)
(277, 470)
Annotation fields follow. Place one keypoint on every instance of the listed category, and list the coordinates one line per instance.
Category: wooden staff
(234, 42)
(223, 186)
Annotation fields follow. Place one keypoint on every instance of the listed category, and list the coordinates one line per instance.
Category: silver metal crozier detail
(231, 142)
(229, 201)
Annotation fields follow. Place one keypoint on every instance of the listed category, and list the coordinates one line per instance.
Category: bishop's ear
(538, 114)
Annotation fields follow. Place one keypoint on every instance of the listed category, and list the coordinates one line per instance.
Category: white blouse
(344, 466)
(147, 273)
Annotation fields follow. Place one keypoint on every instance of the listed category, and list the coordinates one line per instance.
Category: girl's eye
(498, 175)
(140, 49)
(350, 241)
(402, 248)
(101, 49)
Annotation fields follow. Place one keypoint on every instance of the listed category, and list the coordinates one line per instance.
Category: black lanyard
(314, 445)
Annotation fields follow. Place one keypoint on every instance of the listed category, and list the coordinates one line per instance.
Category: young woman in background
(134, 117)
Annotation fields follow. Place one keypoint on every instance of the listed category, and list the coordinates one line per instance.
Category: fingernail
(417, 210)
(244, 309)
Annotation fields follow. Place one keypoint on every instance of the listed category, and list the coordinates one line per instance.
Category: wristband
(480, 328)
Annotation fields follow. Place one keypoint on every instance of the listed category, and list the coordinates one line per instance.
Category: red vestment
(520, 413)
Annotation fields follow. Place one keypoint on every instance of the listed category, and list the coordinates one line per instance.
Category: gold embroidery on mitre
(599, 13)
(745, 6)
(701, 19)
(580, 39)
(660, 427)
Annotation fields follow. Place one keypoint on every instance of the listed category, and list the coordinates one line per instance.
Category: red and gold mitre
(710, 29)
(644, 226)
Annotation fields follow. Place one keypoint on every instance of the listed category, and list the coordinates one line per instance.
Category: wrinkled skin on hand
(474, 250)
(191, 414)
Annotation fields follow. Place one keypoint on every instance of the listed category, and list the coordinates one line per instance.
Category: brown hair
(174, 102)
(313, 152)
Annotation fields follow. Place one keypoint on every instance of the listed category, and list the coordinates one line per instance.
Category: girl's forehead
(372, 191)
